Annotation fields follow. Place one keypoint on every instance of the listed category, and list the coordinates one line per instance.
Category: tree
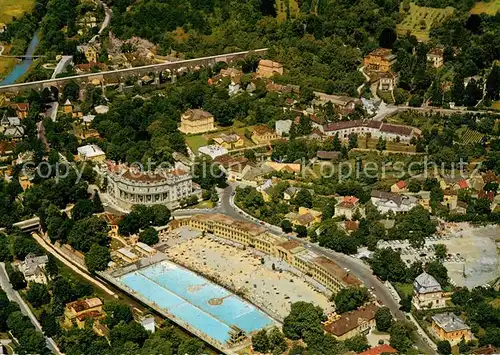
(357, 343)
(51, 268)
(96, 200)
(353, 141)
(132, 331)
(149, 236)
(260, 341)
(5, 254)
(301, 231)
(381, 144)
(438, 271)
(463, 348)
(458, 89)
(350, 298)
(277, 342)
(17, 279)
(286, 226)
(304, 318)
(473, 93)
(444, 347)
(400, 336)
(97, 258)
(32, 342)
(89, 231)
(161, 215)
(191, 346)
(37, 294)
(493, 82)
(116, 313)
(440, 251)
(71, 91)
(388, 265)
(329, 210)
(304, 198)
(82, 209)
(414, 186)
(405, 303)
(50, 324)
(18, 323)
(387, 38)
(383, 319)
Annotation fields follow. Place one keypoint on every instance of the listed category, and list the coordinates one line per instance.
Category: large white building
(127, 187)
(388, 201)
(375, 129)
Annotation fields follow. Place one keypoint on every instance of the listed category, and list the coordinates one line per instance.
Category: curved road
(360, 270)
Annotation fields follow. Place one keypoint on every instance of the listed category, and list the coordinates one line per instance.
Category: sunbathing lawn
(486, 7)
(14, 8)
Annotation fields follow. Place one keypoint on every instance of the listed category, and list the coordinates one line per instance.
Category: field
(283, 6)
(486, 7)
(419, 20)
(391, 146)
(14, 8)
(496, 105)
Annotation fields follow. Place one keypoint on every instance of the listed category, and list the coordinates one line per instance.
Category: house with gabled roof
(427, 292)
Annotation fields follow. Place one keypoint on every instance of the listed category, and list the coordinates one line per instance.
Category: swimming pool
(207, 307)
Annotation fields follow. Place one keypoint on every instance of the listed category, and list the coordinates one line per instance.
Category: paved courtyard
(242, 270)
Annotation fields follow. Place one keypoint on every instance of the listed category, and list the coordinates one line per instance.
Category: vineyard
(469, 136)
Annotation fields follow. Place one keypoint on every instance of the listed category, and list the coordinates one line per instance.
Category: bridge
(115, 76)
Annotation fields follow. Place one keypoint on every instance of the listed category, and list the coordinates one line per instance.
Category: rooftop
(196, 114)
(378, 350)
(333, 269)
(351, 320)
(425, 283)
(449, 322)
(82, 305)
(223, 219)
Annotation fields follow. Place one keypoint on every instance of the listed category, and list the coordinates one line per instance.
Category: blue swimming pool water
(186, 295)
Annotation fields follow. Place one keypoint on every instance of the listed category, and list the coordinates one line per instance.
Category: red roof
(401, 184)
(351, 199)
(384, 348)
(463, 184)
(490, 195)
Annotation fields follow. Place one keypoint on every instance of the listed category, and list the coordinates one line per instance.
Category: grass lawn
(14, 8)
(420, 19)
(6, 64)
(195, 142)
(486, 7)
(403, 289)
(203, 204)
(392, 146)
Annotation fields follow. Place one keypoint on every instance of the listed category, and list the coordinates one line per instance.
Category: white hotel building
(127, 187)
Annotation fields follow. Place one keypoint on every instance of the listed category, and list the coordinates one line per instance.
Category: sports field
(486, 7)
(419, 20)
(14, 8)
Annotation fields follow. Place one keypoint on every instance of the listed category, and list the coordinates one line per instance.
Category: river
(22, 67)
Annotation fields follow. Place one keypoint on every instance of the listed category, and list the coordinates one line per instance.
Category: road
(14, 296)
(50, 249)
(356, 267)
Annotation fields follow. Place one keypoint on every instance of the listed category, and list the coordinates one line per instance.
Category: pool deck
(190, 307)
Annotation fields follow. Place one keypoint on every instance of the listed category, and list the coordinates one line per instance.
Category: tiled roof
(351, 320)
(425, 283)
(378, 350)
